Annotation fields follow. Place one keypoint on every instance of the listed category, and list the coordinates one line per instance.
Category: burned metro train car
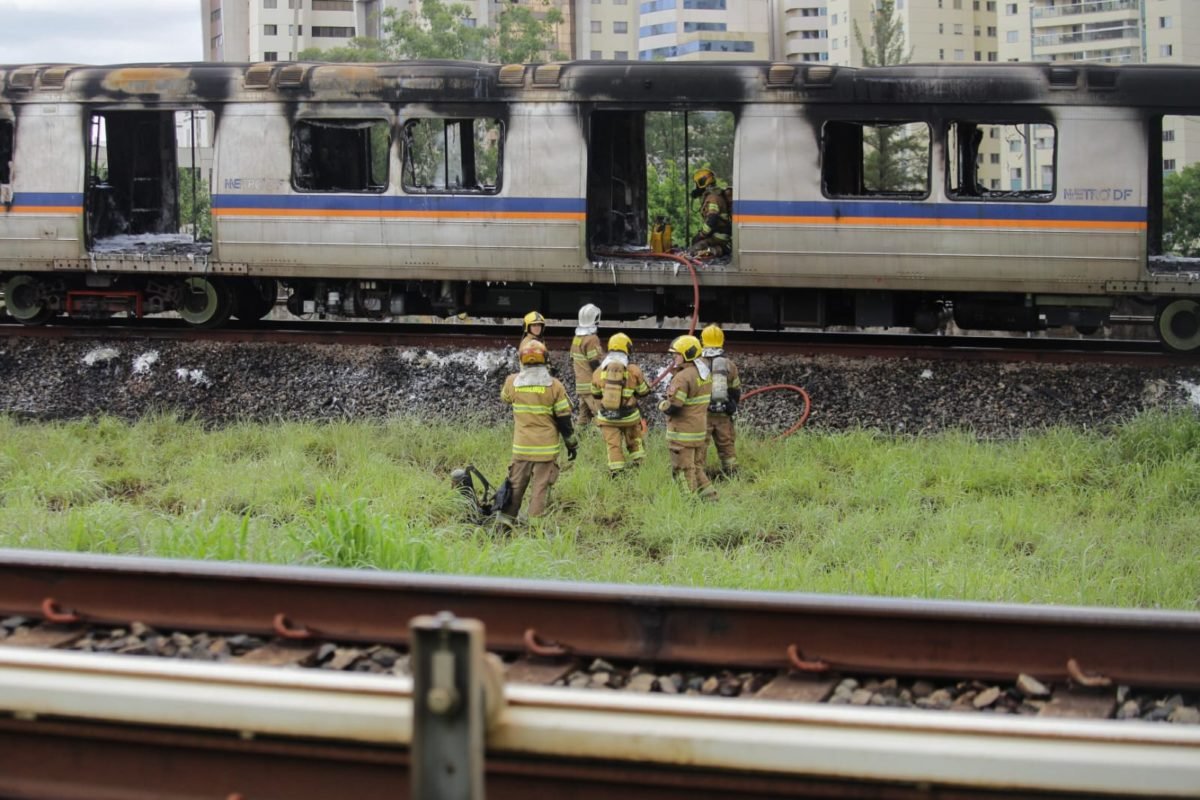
(1016, 196)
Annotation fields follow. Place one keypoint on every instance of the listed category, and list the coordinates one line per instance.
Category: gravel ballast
(221, 383)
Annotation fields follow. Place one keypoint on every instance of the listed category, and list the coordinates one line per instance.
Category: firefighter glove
(730, 406)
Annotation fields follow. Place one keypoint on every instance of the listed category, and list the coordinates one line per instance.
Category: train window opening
(1001, 161)
(875, 159)
(1173, 226)
(6, 151)
(148, 177)
(640, 168)
(453, 156)
(340, 155)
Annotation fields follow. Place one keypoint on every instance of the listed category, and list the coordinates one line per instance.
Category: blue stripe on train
(432, 203)
(911, 210)
(73, 199)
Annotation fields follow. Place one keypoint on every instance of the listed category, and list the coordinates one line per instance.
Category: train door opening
(147, 186)
(1173, 235)
(639, 180)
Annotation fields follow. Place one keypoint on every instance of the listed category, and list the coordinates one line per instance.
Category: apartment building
(705, 30)
(606, 29)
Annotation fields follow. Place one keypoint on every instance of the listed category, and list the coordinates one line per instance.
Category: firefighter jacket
(526, 339)
(714, 211)
(689, 395)
(585, 356)
(632, 386)
(541, 411)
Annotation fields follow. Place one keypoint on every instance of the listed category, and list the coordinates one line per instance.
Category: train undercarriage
(208, 301)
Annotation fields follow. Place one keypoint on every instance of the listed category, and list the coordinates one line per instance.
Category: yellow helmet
(533, 352)
(704, 178)
(533, 318)
(621, 343)
(712, 336)
(686, 346)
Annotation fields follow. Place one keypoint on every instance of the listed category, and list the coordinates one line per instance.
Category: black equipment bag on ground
(484, 501)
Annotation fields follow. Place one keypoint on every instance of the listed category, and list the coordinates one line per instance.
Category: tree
(894, 156)
(201, 212)
(521, 37)
(440, 30)
(1181, 212)
(362, 49)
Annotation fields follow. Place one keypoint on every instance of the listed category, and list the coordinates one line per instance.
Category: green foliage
(669, 169)
(442, 29)
(1181, 212)
(887, 45)
(197, 210)
(1062, 516)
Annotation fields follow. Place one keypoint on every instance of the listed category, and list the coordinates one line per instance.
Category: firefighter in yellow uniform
(585, 357)
(723, 403)
(535, 326)
(541, 414)
(686, 407)
(616, 386)
(715, 237)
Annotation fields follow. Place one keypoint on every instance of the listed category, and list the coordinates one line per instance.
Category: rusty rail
(634, 623)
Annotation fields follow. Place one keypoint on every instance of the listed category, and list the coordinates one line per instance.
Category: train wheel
(206, 302)
(23, 297)
(255, 298)
(1178, 325)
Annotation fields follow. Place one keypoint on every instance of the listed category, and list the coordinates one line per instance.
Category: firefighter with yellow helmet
(585, 358)
(535, 327)
(541, 414)
(723, 401)
(686, 407)
(715, 237)
(616, 387)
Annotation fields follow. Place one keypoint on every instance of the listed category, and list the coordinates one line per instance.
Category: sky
(99, 31)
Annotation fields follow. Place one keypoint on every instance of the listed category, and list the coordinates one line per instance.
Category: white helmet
(589, 315)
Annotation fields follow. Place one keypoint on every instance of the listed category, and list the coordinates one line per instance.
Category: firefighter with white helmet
(585, 358)
(616, 386)
(541, 414)
(723, 402)
(686, 407)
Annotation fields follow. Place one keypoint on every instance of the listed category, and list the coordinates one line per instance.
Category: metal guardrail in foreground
(83, 726)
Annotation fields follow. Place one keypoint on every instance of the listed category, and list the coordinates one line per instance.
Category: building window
(1168, 136)
(1010, 9)
(596, 2)
(958, 29)
(270, 55)
(452, 156)
(270, 3)
(333, 5)
(709, 5)
(596, 55)
(960, 55)
(656, 5)
(331, 32)
(992, 56)
(849, 159)
(1164, 22)
(991, 31)
(1166, 50)
(1012, 36)
(340, 155)
(654, 30)
(941, 54)
(991, 5)
(993, 158)
(978, 56)
(596, 26)
(270, 30)
(295, 30)
(621, 55)
(621, 26)
(692, 27)
(1168, 165)
(295, 3)
(620, 2)
(215, 16)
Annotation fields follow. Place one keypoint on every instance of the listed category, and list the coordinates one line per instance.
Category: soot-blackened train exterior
(448, 187)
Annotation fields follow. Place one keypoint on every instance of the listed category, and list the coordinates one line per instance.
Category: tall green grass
(1064, 516)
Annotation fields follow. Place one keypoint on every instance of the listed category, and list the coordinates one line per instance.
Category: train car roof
(648, 84)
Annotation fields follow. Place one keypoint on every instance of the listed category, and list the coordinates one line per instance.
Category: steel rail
(542, 725)
(642, 624)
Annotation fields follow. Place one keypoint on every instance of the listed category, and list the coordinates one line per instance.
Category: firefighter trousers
(688, 463)
(628, 435)
(722, 434)
(538, 476)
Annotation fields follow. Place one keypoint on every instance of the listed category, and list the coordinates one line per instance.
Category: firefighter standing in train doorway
(715, 237)
(686, 407)
(585, 358)
(723, 402)
(616, 386)
(541, 414)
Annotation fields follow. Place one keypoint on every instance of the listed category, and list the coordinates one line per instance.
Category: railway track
(1143, 352)
(788, 729)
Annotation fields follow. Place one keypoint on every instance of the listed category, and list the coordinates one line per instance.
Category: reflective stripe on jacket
(635, 387)
(691, 394)
(584, 350)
